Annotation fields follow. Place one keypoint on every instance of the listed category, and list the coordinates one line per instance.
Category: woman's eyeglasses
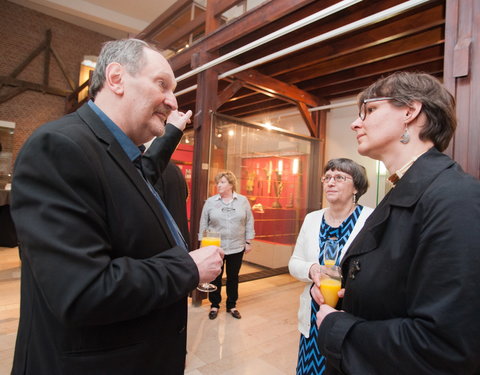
(337, 178)
(363, 108)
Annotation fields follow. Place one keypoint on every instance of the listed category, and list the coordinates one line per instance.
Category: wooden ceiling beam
(307, 117)
(42, 47)
(182, 32)
(10, 81)
(368, 55)
(263, 14)
(228, 92)
(274, 86)
(159, 23)
(347, 88)
(215, 8)
(265, 108)
(12, 93)
(405, 61)
(352, 14)
(335, 68)
(253, 100)
(324, 86)
(269, 94)
(359, 83)
(279, 23)
(220, 6)
(212, 23)
(356, 41)
(188, 99)
(243, 94)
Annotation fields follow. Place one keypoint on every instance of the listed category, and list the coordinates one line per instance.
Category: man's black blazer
(103, 287)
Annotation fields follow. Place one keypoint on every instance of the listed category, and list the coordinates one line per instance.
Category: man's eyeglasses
(363, 108)
(337, 177)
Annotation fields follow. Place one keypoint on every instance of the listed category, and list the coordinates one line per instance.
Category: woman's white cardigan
(306, 254)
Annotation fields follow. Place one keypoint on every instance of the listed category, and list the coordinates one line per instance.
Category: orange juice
(209, 241)
(329, 288)
(329, 262)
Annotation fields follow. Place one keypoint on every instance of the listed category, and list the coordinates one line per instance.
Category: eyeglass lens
(363, 108)
(337, 178)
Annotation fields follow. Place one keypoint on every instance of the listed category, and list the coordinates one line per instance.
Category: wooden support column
(46, 67)
(317, 160)
(462, 78)
(206, 101)
(211, 21)
(312, 125)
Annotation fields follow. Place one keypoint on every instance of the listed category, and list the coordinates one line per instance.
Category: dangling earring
(354, 198)
(405, 138)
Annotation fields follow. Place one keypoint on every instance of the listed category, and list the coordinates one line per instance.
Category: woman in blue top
(344, 182)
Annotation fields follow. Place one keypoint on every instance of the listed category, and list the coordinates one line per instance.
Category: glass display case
(272, 168)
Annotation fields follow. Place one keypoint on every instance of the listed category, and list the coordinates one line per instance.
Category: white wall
(341, 143)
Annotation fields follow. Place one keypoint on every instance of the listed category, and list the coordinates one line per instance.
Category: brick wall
(22, 30)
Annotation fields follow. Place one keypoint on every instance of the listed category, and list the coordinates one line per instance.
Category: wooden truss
(11, 86)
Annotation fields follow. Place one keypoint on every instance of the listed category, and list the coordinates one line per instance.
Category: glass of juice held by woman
(329, 287)
(331, 279)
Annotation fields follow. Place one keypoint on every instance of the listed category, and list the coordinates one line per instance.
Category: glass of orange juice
(209, 238)
(330, 284)
(331, 252)
(331, 279)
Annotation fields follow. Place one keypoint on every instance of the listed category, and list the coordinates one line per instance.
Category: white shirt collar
(234, 196)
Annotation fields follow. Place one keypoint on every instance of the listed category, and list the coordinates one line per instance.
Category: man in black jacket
(105, 273)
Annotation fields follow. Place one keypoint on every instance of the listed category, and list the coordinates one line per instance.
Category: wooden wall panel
(462, 78)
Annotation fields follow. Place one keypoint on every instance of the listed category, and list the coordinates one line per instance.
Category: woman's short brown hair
(438, 104)
(232, 180)
(357, 171)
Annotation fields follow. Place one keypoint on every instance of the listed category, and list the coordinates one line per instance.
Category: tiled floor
(264, 341)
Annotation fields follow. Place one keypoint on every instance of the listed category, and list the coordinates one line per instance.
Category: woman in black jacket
(411, 276)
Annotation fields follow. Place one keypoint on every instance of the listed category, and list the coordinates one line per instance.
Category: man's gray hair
(126, 52)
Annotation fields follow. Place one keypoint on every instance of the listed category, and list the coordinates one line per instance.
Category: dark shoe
(212, 314)
(235, 313)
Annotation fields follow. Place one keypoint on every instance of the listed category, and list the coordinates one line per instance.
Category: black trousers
(8, 236)
(232, 263)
